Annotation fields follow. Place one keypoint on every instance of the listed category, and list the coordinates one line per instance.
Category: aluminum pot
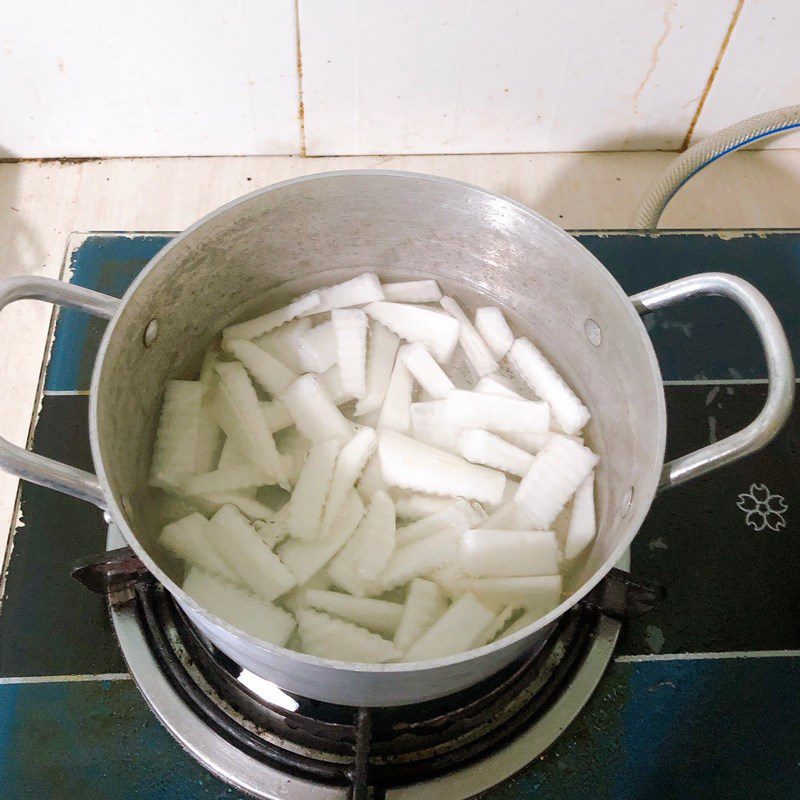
(261, 250)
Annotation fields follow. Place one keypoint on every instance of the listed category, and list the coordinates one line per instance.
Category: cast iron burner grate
(367, 749)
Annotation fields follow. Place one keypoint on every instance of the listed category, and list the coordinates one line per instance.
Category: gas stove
(699, 697)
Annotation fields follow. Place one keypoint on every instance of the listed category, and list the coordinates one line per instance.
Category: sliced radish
(454, 632)
(414, 505)
(284, 343)
(318, 348)
(350, 464)
(273, 319)
(496, 384)
(486, 553)
(227, 479)
(383, 346)
(267, 371)
(378, 616)
(314, 414)
(431, 424)
(326, 637)
(379, 538)
(494, 330)
(475, 349)
(557, 471)
(276, 415)
(350, 332)
(272, 529)
(426, 291)
(308, 498)
(190, 538)
(250, 614)
(528, 618)
(231, 456)
(175, 448)
(296, 599)
(496, 413)
(420, 558)
(509, 516)
(247, 555)
(424, 604)
(439, 331)
(304, 559)
(423, 367)
(293, 447)
(371, 479)
(529, 592)
(208, 372)
(414, 465)
(453, 518)
(490, 632)
(482, 447)
(570, 413)
(331, 382)
(364, 288)
(239, 415)
(209, 439)
(582, 524)
(395, 411)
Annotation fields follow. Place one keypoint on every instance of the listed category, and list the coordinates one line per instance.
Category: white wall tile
(504, 75)
(759, 71)
(184, 77)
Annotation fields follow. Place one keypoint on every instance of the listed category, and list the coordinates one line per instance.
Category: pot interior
(261, 251)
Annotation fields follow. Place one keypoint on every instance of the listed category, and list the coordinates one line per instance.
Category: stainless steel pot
(263, 249)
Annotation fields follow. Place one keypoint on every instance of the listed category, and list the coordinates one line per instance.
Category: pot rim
(647, 486)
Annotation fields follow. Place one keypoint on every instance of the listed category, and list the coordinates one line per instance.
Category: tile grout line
(102, 676)
(634, 659)
(713, 74)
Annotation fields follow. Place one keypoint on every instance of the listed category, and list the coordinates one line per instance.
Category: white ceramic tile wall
(511, 76)
(759, 71)
(115, 77)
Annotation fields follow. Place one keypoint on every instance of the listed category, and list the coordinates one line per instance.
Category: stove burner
(344, 746)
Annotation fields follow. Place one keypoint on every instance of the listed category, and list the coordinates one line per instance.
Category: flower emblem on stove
(762, 508)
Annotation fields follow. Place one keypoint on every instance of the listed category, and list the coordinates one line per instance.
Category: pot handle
(780, 370)
(17, 460)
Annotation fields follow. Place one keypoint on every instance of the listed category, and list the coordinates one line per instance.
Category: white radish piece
(190, 538)
(252, 509)
(371, 479)
(528, 618)
(582, 524)
(424, 604)
(350, 333)
(414, 465)
(296, 599)
(247, 555)
(557, 471)
(496, 384)
(378, 616)
(267, 371)
(508, 516)
(426, 372)
(318, 348)
(540, 592)
(420, 558)
(239, 414)
(250, 614)
(494, 330)
(454, 632)
(284, 343)
(226, 479)
(293, 447)
(350, 464)
(453, 518)
(475, 349)
(437, 330)
(175, 448)
(570, 413)
(383, 346)
(323, 636)
(276, 415)
(305, 559)
(378, 538)
(209, 439)
(489, 633)
(431, 424)
(208, 373)
(487, 553)
(414, 505)
(425, 291)
(364, 288)
(231, 456)
(496, 413)
(308, 498)
(482, 447)
(314, 413)
(395, 411)
(273, 319)
(331, 382)
(273, 529)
